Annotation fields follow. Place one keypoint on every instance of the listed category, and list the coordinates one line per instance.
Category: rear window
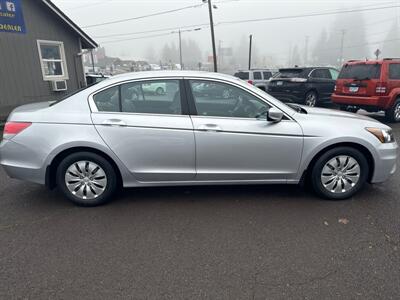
(360, 71)
(394, 71)
(242, 75)
(291, 73)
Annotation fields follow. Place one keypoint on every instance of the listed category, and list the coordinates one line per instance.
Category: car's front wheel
(339, 173)
(86, 179)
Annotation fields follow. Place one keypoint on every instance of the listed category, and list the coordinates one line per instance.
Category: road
(243, 242)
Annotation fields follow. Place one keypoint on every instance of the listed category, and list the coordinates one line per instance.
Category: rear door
(322, 81)
(234, 141)
(148, 129)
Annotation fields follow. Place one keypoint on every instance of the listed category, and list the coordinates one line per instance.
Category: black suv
(310, 86)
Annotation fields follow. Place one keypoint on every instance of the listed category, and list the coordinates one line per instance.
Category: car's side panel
(29, 153)
(247, 149)
(152, 147)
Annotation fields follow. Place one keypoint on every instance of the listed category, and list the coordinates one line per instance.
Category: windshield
(242, 75)
(291, 73)
(360, 71)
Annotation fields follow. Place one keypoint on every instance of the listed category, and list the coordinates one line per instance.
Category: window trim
(62, 59)
(184, 101)
(192, 104)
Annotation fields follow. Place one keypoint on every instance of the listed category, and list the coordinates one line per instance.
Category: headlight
(384, 135)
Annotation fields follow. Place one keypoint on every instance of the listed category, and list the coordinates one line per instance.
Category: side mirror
(274, 115)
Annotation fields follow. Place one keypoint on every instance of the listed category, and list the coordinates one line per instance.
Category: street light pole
(180, 49)
(180, 42)
(341, 47)
(212, 35)
(250, 45)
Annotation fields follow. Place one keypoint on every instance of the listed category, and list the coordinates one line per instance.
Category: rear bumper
(385, 163)
(376, 101)
(17, 162)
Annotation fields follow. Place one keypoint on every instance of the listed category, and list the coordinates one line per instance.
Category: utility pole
(92, 57)
(180, 49)
(179, 32)
(210, 7)
(306, 51)
(341, 46)
(250, 45)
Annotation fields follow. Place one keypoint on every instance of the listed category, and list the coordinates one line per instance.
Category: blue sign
(11, 17)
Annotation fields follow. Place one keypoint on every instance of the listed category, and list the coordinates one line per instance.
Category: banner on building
(11, 17)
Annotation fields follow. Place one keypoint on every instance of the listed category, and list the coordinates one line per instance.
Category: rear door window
(360, 71)
(242, 75)
(257, 76)
(394, 71)
(334, 73)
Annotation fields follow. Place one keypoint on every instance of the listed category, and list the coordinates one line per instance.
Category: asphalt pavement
(240, 242)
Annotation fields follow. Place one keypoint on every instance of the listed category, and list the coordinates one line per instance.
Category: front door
(234, 141)
(143, 124)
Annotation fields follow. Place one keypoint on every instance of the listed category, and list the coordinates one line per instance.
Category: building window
(52, 60)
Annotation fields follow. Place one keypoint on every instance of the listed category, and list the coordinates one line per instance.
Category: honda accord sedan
(113, 134)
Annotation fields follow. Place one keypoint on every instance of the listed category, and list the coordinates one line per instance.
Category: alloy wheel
(396, 112)
(340, 174)
(311, 100)
(85, 180)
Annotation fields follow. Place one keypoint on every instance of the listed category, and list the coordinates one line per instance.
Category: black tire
(393, 114)
(316, 173)
(111, 177)
(160, 91)
(349, 108)
(311, 99)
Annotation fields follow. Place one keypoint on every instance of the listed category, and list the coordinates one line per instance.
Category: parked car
(371, 85)
(95, 78)
(310, 86)
(101, 138)
(256, 77)
(158, 88)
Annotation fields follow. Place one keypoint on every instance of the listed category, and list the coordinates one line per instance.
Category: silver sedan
(115, 134)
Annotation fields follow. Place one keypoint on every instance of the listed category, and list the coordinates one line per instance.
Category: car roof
(164, 74)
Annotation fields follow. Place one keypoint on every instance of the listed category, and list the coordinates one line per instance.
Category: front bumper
(20, 162)
(385, 162)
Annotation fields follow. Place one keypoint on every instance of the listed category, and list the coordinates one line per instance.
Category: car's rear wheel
(311, 99)
(86, 179)
(339, 173)
(393, 114)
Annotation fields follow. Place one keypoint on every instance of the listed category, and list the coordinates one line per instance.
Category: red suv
(371, 85)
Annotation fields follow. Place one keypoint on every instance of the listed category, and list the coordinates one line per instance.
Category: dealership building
(40, 53)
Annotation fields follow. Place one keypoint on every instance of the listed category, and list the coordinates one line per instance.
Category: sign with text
(11, 17)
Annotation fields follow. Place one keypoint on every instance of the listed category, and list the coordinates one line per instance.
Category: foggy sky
(272, 38)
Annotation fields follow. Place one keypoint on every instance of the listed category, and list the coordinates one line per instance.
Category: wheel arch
(52, 167)
(364, 150)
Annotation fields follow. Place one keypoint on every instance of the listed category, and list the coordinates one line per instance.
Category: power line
(151, 31)
(243, 21)
(142, 17)
(305, 15)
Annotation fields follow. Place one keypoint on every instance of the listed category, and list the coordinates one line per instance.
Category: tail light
(11, 129)
(381, 88)
(250, 81)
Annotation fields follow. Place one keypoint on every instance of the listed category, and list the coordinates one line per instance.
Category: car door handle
(114, 122)
(209, 127)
